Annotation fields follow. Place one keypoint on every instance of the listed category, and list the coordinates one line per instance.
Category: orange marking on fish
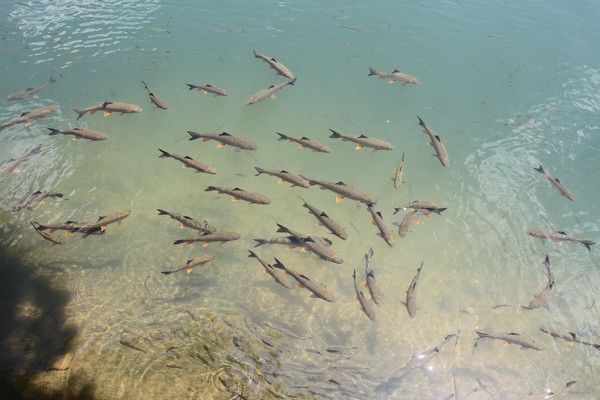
(106, 113)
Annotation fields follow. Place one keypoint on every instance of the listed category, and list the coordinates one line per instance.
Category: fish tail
(252, 254)
(260, 242)
(80, 113)
(334, 134)
(281, 136)
(162, 212)
(291, 81)
(53, 131)
(372, 71)
(210, 189)
(278, 264)
(440, 210)
(144, 83)
(587, 244)
(190, 86)
(164, 154)
(52, 80)
(255, 53)
(179, 241)
(33, 223)
(194, 135)
(421, 121)
(282, 228)
(482, 334)
(166, 272)
(540, 169)
(259, 170)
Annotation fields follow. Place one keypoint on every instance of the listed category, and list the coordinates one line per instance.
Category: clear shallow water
(506, 87)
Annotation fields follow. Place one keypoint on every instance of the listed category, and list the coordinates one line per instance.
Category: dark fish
(384, 229)
(30, 92)
(276, 65)
(105, 220)
(237, 194)
(80, 133)
(342, 190)
(425, 207)
(27, 118)
(109, 107)
(291, 241)
(372, 285)
(268, 92)
(189, 222)
(46, 235)
(557, 184)
(411, 294)
(324, 220)
(190, 264)
(436, 143)
(310, 243)
(37, 197)
(543, 298)
(155, 100)
(208, 89)
(189, 162)
(399, 174)
(12, 164)
(394, 76)
(558, 237)
(317, 289)
(208, 238)
(569, 337)
(409, 219)
(305, 142)
(365, 305)
(511, 338)
(277, 274)
(225, 139)
(284, 176)
(363, 141)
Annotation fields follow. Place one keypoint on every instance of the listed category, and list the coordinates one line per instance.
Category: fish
(384, 229)
(190, 264)
(394, 76)
(556, 183)
(310, 243)
(372, 285)
(109, 107)
(425, 207)
(435, 141)
(305, 142)
(558, 237)
(362, 141)
(411, 294)
(189, 162)
(80, 133)
(27, 118)
(241, 194)
(207, 238)
(318, 290)
(13, 164)
(208, 89)
(69, 226)
(569, 337)
(510, 338)
(276, 65)
(343, 190)
(399, 174)
(268, 92)
(36, 197)
(154, 99)
(46, 235)
(225, 138)
(104, 221)
(30, 92)
(326, 221)
(189, 222)
(290, 241)
(277, 274)
(284, 176)
(365, 305)
(409, 219)
(543, 298)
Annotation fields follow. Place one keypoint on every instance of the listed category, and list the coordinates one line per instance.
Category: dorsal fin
(340, 183)
(188, 157)
(304, 138)
(237, 188)
(394, 71)
(363, 136)
(224, 134)
(438, 138)
(283, 171)
(323, 215)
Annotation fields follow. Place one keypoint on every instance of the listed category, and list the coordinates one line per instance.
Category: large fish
(362, 141)
(543, 298)
(284, 176)
(276, 273)
(569, 337)
(317, 289)
(384, 229)
(558, 237)
(290, 241)
(365, 305)
(436, 143)
(268, 92)
(70, 227)
(28, 117)
(326, 221)
(108, 107)
(305, 142)
(30, 92)
(189, 162)
(207, 238)
(208, 89)
(395, 76)
(46, 235)
(190, 264)
(241, 194)
(225, 138)
(34, 198)
(310, 243)
(80, 133)
(342, 190)
(276, 65)
(425, 207)
(189, 222)
(399, 174)
(409, 219)
(154, 99)
(411, 294)
(372, 285)
(104, 221)
(13, 164)
(557, 184)
(510, 338)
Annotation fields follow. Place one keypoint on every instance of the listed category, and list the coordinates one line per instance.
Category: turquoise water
(506, 86)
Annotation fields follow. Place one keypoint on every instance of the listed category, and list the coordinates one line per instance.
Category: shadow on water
(34, 334)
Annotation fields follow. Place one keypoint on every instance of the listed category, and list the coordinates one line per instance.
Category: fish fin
(372, 222)
(359, 147)
(220, 145)
(205, 92)
(106, 113)
(205, 244)
(205, 139)
(273, 96)
(319, 223)
(338, 199)
(27, 123)
(301, 146)
(322, 188)
(570, 343)
(234, 199)
(42, 202)
(189, 270)
(391, 82)
(304, 250)
(15, 170)
(67, 233)
(506, 344)
(298, 285)
(103, 228)
(280, 181)
(363, 284)
(185, 166)
(416, 221)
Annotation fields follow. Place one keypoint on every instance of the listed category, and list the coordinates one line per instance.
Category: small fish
(317, 289)
(435, 141)
(189, 222)
(395, 76)
(326, 221)
(189, 162)
(425, 207)
(277, 274)
(411, 294)
(46, 235)
(80, 133)
(108, 107)
(34, 198)
(276, 65)
(543, 298)
(420, 359)
(241, 194)
(409, 219)
(305, 142)
(365, 305)
(342, 190)
(207, 238)
(290, 241)
(384, 229)
(284, 176)
(190, 264)
(105, 220)
(30, 92)
(556, 183)
(362, 141)
(372, 285)
(310, 243)
(510, 338)
(155, 100)
(268, 92)
(27, 118)
(225, 139)
(13, 164)
(558, 237)
(399, 174)
(208, 89)
(569, 337)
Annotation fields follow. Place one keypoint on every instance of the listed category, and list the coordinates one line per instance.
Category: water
(506, 86)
